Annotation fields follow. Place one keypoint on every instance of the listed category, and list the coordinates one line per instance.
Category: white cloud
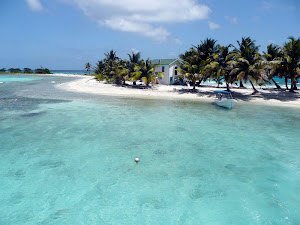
(233, 20)
(178, 41)
(144, 17)
(137, 27)
(213, 26)
(266, 5)
(34, 5)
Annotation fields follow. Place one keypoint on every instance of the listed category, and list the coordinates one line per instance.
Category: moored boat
(225, 99)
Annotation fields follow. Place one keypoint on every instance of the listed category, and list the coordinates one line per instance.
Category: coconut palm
(106, 68)
(134, 60)
(289, 65)
(121, 72)
(88, 67)
(190, 69)
(220, 68)
(111, 56)
(146, 71)
(271, 56)
(206, 53)
(99, 71)
(207, 49)
(247, 64)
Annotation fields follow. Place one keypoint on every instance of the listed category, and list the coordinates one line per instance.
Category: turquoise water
(79, 72)
(69, 159)
(19, 78)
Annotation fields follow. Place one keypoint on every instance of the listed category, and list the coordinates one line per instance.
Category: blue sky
(65, 34)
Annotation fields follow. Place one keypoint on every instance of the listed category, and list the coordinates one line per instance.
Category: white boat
(224, 99)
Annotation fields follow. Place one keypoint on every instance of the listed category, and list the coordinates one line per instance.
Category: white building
(168, 67)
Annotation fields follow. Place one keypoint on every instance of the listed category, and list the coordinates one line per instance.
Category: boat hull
(226, 103)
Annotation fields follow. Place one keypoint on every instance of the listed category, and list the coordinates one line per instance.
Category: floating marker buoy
(137, 160)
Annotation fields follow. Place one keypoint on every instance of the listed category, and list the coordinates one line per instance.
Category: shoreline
(267, 96)
(87, 84)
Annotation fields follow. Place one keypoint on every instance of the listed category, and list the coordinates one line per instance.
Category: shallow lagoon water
(18, 78)
(69, 159)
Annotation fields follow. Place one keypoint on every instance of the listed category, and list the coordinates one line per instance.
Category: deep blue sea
(68, 158)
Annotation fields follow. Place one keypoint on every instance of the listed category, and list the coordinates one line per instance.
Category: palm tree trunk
(277, 85)
(200, 80)
(241, 84)
(292, 84)
(286, 85)
(194, 85)
(227, 86)
(255, 91)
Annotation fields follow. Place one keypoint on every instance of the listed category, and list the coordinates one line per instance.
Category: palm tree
(99, 71)
(146, 71)
(290, 61)
(247, 64)
(88, 67)
(207, 49)
(106, 68)
(271, 56)
(220, 68)
(206, 53)
(190, 68)
(111, 56)
(121, 72)
(134, 60)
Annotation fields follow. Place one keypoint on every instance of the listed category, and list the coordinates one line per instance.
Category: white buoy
(137, 160)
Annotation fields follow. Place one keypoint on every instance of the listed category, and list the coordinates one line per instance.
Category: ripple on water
(33, 114)
(17, 173)
(201, 192)
(50, 164)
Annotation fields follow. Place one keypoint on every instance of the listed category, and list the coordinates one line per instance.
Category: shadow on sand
(265, 94)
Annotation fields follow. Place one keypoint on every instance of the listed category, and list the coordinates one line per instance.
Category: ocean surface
(79, 72)
(68, 158)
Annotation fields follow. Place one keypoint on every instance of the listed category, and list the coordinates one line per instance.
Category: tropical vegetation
(232, 64)
(26, 70)
(242, 64)
(88, 67)
(116, 70)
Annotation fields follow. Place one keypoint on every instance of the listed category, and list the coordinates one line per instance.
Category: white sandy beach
(265, 96)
